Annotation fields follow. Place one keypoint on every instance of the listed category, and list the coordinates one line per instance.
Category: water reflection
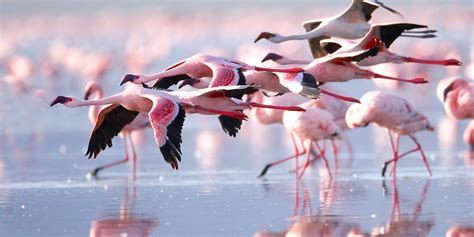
(124, 222)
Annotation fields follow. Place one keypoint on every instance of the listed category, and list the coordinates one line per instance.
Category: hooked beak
(128, 77)
(446, 91)
(264, 35)
(189, 81)
(272, 56)
(61, 99)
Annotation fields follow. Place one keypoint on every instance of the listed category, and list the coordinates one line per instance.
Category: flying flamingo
(350, 24)
(140, 122)
(166, 112)
(393, 113)
(385, 35)
(457, 95)
(280, 83)
(224, 72)
(309, 127)
(340, 68)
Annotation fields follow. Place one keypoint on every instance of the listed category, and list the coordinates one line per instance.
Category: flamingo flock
(299, 98)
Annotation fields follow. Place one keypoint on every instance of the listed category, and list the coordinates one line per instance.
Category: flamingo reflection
(125, 222)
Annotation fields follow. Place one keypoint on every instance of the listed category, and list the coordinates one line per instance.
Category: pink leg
(393, 172)
(345, 98)
(348, 144)
(447, 62)
(134, 158)
(268, 166)
(308, 160)
(335, 152)
(96, 170)
(233, 114)
(258, 105)
(414, 81)
(326, 163)
(394, 153)
(423, 157)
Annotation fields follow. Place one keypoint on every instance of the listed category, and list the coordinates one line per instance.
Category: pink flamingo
(350, 24)
(385, 35)
(224, 72)
(140, 122)
(469, 135)
(393, 113)
(280, 83)
(310, 126)
(339, 67)
(166, 112)
(457, 97)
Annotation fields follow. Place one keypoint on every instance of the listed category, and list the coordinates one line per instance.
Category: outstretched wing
(167, 82)
(110, 121)
(225, 75)
(227, 91)
(356, 56)
(314, 43)
(167, 118)
(390, 32)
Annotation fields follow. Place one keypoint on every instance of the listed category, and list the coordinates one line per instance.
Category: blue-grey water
(43, 186)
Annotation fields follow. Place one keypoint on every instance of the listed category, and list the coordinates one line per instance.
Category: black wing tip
(171, 150)
(166, 82)
(230, 125)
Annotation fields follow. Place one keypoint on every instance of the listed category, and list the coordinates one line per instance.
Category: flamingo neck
(115, 99)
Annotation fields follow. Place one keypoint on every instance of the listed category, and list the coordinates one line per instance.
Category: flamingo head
(130, 78)
(62, 100)
(190, 82)
(453, 85)
(272, 37)
(272, 56)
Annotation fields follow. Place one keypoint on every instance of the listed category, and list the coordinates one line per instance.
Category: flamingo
(281, 83)
(339, 67)
(309, 127)
(140, 122)
(224, 72)
(469, 135)
(385, 35)
(457, 96)
(396, 115)
(166, 112)
(350, 24)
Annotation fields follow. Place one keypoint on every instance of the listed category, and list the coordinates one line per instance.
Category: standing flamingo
(393, 113)
(457, 97)
(309, 127)
(350, 24)
(166, 112)
(339, 67)
(140, 122)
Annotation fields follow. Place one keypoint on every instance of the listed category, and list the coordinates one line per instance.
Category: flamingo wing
(110, 121)
(167, 119)
(225, 75)
(301, 83)
(390, 32)
(314, 43)
(167, 82)
(227, 91)
(353, 56)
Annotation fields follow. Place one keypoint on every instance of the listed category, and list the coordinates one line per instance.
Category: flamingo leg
(350, 150)
(393, 172)
(394, 153)
(447, 62)
(308, 160)
(297, 153)
(335, 152)
(423, 157)
(326, 163)
(125, 160)
(233, 114)
(134, 158)
(414, 81)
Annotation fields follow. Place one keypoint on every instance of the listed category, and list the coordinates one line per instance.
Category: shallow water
(43, 186)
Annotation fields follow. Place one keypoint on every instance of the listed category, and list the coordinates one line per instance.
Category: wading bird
(457, 96)
(396, 115)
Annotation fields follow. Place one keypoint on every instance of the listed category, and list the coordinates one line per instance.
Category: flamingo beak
(446, 91)
(263, 35)
(129, 78)
(61, 99)
(190, 82)
(272, 56)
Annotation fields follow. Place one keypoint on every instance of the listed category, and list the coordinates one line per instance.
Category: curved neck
(115, 99)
